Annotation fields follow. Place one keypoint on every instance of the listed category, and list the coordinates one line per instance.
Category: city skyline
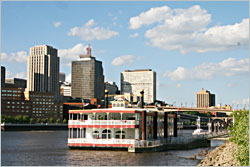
(187, 59)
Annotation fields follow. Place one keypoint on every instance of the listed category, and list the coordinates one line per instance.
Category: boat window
(95, 134)
(120, 135)
(106, 134)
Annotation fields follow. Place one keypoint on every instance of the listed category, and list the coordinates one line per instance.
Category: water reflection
(50, 149)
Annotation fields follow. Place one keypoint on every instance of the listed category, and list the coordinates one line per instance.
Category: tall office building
(3, 71)
(111, 87)
(133, 81)
(61, 77)
(87, 77)
(16, 83)
(205, 99)
(43, 70)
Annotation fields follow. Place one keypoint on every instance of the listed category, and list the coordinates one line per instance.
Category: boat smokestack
(142, 98)
(106, 98)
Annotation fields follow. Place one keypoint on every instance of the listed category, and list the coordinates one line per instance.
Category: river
(49, 148)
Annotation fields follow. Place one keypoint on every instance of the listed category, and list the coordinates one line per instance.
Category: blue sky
(190, 45)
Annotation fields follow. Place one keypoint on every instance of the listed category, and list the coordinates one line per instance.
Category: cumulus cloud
(10, 74)
(121, 60)
(134, 35)
(207, 71)
(91, 32)
(20, 57)
(70, 54)
(57, 24)
(151, 16)
(186, 30)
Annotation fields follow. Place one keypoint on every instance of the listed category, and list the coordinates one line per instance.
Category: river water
(49, 148)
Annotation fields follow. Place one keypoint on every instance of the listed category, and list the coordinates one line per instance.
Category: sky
(190, 45)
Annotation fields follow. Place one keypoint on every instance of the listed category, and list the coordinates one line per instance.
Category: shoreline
(221, 156)
(29, 127)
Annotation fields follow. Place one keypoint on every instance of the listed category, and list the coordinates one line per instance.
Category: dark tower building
(87, 77)
(2, 76)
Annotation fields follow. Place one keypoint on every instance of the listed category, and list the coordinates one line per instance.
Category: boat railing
(102, 141)
(103, 122)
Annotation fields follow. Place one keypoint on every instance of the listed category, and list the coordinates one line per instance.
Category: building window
(8, 102)
(13, 106)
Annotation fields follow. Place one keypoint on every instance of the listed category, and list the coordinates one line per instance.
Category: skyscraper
(133, 81)
(3, 76)
(87, 77)
(43, 70)
(205, 99)
(61, 77)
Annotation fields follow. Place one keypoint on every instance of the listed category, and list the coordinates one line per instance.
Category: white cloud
(207, 71)
(241, 101)
(151, 16)
(20, 57)
(187, 30)
(68, 78)
(134, 35)
(70, 54)
(57, 24)
(21, 75)
(121, 60)
(89, 32)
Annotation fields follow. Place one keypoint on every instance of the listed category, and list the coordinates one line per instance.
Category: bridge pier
(212, 126)
(155, 125)
(175, 125)
(165, 124)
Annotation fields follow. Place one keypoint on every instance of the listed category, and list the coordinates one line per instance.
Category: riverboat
(120, 126)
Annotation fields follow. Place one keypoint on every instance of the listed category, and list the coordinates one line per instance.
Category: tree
(31, 120)
(240, 136)
(64, 121)
(58, 120)
(44, 120)
(38, 120)
(3, 118)
(51, 120)
(18, 119)
(25, 119)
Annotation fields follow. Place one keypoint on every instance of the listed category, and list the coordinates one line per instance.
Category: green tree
(51, 120)
(31, 120)
(3, 118)
(58, 121)
(44, 120)
(64, 121)
(25, 119)
(38, 120)
(240, 136)
(18, 119)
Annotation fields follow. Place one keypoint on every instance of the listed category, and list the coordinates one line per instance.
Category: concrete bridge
(194, 109)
